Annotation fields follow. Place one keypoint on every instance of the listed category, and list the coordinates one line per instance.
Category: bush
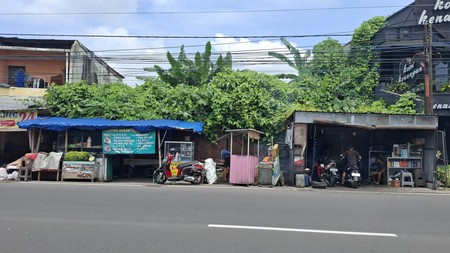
(76, 156)
(441, 174)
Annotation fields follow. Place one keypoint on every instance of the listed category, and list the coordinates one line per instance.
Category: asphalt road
(84, 217)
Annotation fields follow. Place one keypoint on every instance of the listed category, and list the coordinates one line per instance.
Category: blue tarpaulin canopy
(143, 126)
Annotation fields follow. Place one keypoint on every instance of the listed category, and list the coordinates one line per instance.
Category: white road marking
(302, 230)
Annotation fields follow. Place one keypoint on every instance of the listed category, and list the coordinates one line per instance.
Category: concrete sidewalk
(149, 183)
(339, 188)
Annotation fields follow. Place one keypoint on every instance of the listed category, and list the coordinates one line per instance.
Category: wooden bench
(58, 172)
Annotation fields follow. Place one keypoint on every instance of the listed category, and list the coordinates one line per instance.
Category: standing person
(225, 155)
(351, 158)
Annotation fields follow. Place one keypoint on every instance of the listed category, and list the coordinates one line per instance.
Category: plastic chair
(407, 179)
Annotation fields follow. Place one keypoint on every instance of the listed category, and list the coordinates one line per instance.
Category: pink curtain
(243, 169)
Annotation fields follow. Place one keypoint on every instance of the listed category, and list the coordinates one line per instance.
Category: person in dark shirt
(225, 155)
(380, 170)
(351, 158)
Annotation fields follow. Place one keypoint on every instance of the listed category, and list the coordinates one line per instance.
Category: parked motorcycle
(352, 177)
(330, 173)
(319, 168)
(170, 170)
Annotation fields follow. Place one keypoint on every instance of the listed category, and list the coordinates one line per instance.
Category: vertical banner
(128, 141)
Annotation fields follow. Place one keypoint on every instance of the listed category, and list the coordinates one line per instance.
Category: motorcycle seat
(188, 164)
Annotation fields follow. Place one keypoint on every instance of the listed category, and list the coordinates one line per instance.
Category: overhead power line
(173, 36)
(198, 12)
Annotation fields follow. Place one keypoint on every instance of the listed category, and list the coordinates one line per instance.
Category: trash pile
(5, 176)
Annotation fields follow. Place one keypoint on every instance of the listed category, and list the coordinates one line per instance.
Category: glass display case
(185, 149)
(77, 140)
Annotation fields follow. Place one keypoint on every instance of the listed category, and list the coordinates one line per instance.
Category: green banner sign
(128, 141)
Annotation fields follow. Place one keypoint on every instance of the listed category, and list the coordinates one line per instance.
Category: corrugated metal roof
(369, 121)
(8, 103)
(12, 130)
(36, 43)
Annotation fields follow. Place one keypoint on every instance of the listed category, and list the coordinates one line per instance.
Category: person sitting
(380, 170)
(225, 155)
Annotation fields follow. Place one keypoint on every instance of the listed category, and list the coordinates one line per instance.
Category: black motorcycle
(352, 177)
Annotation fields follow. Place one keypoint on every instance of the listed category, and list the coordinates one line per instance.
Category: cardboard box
(395, 183)
(419, 141)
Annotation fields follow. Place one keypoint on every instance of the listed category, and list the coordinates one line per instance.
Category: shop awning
(143, 126)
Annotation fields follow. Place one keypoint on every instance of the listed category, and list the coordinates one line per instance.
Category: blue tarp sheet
(143, 126)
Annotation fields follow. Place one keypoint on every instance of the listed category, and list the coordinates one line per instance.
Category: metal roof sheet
(8, 103)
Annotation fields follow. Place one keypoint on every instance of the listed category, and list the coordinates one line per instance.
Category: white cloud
(163, 2)
(128, 56)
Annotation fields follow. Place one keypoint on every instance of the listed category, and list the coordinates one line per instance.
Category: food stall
(104, 139)
(269, 171)
(244, 149)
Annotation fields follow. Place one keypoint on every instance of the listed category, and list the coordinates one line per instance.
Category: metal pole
(231, 144)
(429, 70)
(444, 156)
(66, 141)
(159, 147)
(30, 142)
(39, 140)
(248, 145)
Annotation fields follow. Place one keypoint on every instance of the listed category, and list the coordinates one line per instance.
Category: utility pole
(429, 70)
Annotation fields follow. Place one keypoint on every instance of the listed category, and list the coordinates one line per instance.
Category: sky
(131, 35)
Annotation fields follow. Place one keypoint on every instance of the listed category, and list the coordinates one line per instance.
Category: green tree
(406, 104)
(361, 51)
(184, 102)
(198, 72)
(78, 100)
(299, 63)
(328, 58)
(247, 99)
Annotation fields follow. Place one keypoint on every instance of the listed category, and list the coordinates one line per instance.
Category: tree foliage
(247, 99)
(195, 72)
(199, 90)
(361, 51)
(233, 99)
(341, 81)
(329, 58)
(78, 100)
(299, 63)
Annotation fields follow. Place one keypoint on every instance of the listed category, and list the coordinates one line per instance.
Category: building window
(16, 76)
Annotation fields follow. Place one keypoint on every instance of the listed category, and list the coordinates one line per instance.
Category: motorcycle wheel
(198, 178)
(332, 180)
(354, 184)
(160, 177)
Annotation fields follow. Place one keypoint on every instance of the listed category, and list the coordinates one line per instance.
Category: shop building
(27, 67)
(404, 142)
(414, 38)
(119, 149)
